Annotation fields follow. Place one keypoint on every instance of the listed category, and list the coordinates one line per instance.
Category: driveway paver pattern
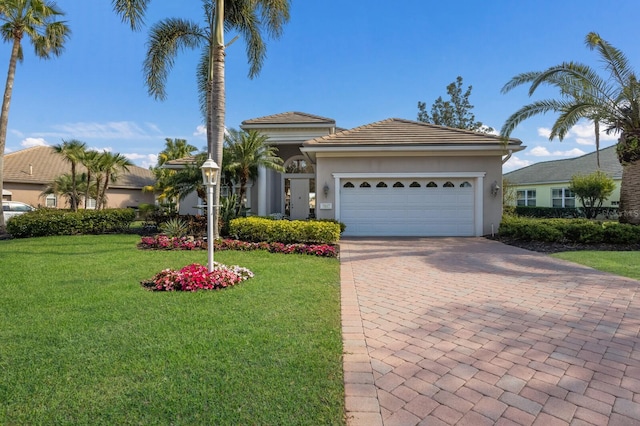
(469, 331)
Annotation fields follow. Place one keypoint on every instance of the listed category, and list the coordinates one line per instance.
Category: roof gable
(288, 118)
(397, 131)
(41, 165)
(563, 170)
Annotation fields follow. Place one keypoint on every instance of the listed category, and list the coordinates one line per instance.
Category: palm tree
(250, 18)
(90, 160)
(612, 102)
(110, 165)
(175, 149)
(35, 20)
(72, 151)
(66, 186)
(247, 152)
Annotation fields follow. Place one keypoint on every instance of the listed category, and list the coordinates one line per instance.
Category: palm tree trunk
(217, 112)
(630, 193)
(4, 114)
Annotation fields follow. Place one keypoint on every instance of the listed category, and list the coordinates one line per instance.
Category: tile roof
(46, 165)
(564, 170)
(397, 131)
(291, 117)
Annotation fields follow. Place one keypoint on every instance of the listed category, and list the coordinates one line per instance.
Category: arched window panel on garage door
(432, 184)
(465, 184)
(448, 184)
(381, 185)
(414, 184)
(365, 185)
(348, 185)
(398, 185)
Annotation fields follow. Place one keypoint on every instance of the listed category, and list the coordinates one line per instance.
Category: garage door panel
(408, 211)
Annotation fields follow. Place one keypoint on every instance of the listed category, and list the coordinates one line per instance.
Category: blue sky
(355, 61)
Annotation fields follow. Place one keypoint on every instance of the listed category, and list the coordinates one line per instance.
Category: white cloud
(541, 151)
(584, 134)
(29, 142)
(143, 160)
(104, 149)
(515, 163)
(109, 130)
(543, 131)
(201, 130)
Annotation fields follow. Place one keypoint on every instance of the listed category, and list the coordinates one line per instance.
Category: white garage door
(408, 207)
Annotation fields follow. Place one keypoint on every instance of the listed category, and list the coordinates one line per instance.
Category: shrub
(47, 222)
(581, 231)
(174, 227)
(257, 229)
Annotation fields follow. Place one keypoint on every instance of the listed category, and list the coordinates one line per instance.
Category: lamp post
(209, 178)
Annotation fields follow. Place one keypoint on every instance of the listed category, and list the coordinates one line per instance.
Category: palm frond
(166, 39)
(615, 61)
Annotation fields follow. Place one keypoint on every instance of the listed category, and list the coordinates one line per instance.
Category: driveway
(443, 331)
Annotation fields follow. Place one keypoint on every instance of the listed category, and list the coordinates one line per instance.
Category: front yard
(83, 343)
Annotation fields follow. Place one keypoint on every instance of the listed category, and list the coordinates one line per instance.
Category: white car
(15, 208)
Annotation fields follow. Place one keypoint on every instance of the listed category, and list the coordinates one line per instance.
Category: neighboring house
(546, 184)
(28, 172)
(390, 178)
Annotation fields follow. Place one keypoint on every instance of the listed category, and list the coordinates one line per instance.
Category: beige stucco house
(27, 173)
(394, 177)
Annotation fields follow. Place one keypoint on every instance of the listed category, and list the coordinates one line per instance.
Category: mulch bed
(543, 247)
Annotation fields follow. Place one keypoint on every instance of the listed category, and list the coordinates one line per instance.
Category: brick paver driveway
(471, 331)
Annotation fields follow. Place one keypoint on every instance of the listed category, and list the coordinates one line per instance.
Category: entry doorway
(300, 197)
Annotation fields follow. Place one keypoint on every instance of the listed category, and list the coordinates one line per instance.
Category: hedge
(582, 231)
(560, 212)
(258, 229)
(47, 222)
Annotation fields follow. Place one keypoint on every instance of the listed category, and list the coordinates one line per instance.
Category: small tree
(455, 112)
(592, 190)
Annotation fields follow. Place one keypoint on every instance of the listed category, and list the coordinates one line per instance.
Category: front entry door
(299, 199)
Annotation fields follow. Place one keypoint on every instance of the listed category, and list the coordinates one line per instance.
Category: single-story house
(394, 177)
(28, 172)
(546, 184)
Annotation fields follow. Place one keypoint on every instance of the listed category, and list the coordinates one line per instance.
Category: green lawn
(625, 263)
(81, 342)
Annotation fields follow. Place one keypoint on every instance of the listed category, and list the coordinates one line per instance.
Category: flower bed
(162, 242)
(196, 277)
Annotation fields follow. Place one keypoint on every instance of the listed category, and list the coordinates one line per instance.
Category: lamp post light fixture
(210, 178)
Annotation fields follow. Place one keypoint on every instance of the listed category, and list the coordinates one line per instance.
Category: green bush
(259, 229)
(559, 212)
(568, 231)
(46, 222)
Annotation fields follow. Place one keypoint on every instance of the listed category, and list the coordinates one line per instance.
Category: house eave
(313, 151)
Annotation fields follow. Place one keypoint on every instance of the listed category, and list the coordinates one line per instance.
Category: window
(365, 185)
(562, 197)
(91, 203)
(526, 197)
(448, 184)
(297, 164)
(398, 185)
(51, 201)
(465, 184)
(381, 185)
(432, 184)
(348, 185)
(414, 184)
